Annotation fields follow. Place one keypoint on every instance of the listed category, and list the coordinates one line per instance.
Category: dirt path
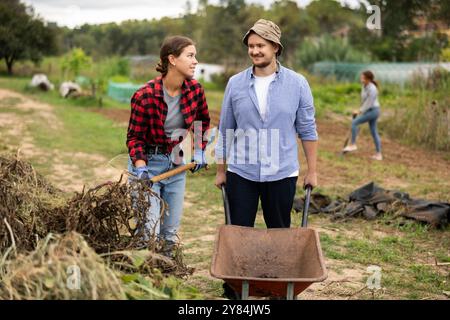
(65, 169)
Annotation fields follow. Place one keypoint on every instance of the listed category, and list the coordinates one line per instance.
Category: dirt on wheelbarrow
(261, 253)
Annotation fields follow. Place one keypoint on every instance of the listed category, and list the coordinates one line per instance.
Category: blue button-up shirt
(260, 149)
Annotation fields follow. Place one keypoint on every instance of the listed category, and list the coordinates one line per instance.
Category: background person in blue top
(368, 112)
(265, 108)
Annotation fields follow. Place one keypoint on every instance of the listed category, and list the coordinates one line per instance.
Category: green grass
(400, 256)
(81, 132)
(416, 281)
(338, 98)
(443, 256)
(214, 99)
(331, 247)
(363, 251)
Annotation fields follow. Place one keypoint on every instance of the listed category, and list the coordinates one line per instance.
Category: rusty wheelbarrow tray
(268, 262)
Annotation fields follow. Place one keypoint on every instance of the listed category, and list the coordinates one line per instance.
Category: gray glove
(142, 173)
(200, 160)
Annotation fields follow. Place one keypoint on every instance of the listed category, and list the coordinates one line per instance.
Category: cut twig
(13, 242)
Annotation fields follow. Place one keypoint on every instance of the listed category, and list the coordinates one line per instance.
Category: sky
(73, 13)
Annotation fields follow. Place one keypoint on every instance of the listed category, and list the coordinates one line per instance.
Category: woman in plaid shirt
(163, 111)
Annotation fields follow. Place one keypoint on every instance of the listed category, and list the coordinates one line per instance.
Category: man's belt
(155, 149)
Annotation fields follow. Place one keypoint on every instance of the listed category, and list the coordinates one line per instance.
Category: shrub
(327, 48)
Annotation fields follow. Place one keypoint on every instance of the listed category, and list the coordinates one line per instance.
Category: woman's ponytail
(371, 77)
(171, 46)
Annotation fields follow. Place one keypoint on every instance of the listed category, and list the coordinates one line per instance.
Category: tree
(398, 18)
(426, 48)
(331, 15)
(290, 18)
(222, 32)
(400, 15)
(22, 34)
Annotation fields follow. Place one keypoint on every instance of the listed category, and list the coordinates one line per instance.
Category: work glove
(200, 160)
(142, 173)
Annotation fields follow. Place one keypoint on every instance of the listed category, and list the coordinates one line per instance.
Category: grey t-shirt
(174, 119)
(369, 97)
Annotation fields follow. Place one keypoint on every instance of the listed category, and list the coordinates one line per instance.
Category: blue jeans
(171, 190)
(370, 116)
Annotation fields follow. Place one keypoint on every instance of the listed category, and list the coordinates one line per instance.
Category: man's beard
(262, 64)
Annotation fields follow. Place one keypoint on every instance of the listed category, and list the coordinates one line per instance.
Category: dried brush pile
(108, 222)
(61, 267)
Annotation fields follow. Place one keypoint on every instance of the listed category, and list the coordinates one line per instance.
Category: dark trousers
(277, 198)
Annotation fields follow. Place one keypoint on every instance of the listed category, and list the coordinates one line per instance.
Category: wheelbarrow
(277, 263)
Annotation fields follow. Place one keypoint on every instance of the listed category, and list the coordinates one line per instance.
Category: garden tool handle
(173, 172)
(308, 188)
(226, 205)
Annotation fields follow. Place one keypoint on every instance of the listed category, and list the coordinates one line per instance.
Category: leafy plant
(74, 62)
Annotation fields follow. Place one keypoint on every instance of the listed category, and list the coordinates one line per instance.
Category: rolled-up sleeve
(227, 122)
(305, 122)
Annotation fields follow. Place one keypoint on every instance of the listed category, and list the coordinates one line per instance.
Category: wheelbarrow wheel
(229, 293)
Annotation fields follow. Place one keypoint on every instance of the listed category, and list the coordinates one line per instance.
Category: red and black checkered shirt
(149, 112)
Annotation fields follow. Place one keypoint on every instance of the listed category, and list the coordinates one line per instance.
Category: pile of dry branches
(110, 217)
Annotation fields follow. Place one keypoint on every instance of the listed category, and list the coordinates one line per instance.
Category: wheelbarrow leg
(245, 290)
(290, 291)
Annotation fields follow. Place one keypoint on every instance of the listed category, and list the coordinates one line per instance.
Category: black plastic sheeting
(371, 201)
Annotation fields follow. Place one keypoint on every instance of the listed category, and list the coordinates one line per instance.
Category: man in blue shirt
(264, 109)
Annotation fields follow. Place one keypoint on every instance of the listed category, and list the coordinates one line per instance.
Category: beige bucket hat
(265, 29)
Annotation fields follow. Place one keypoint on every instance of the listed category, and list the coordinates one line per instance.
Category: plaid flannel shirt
(149, 112)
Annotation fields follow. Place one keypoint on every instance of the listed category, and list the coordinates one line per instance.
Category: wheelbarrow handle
(308, 188)
(226, 205)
